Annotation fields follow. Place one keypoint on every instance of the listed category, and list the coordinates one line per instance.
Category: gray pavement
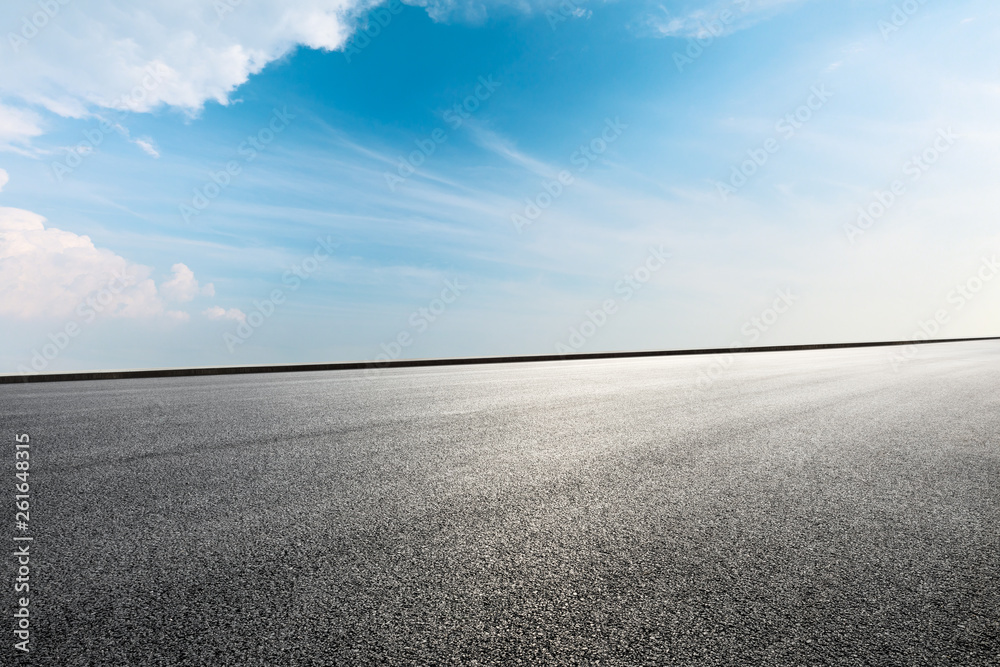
(802, 508)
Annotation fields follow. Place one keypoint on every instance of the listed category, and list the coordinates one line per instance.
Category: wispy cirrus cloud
(18, 126)
(715, 18)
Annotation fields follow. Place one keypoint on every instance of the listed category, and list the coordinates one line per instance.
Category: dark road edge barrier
(460, 361)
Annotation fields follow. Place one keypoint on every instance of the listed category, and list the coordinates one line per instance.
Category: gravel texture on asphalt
(798, 508)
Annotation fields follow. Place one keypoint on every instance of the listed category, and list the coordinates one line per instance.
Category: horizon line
(125, 374)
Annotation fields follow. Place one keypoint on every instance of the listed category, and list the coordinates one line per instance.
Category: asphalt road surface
(800, 508)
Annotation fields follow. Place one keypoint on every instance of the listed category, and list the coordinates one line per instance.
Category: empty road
(799, 508)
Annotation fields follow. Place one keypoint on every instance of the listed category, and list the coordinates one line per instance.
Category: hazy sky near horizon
(188, 183)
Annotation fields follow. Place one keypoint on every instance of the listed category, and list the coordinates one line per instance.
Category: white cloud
(140, 55)
(183, 286)
(147, 145)
(49, 272)
(4, 177)
(711, 19)
(220, 313)
(18, 127)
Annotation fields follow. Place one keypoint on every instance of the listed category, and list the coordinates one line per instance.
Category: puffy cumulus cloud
(49, 272)
(182, 285)
(76, 58)
(220, 313)
(140, 55)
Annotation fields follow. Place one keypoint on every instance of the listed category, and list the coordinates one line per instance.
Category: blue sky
(616, 121)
